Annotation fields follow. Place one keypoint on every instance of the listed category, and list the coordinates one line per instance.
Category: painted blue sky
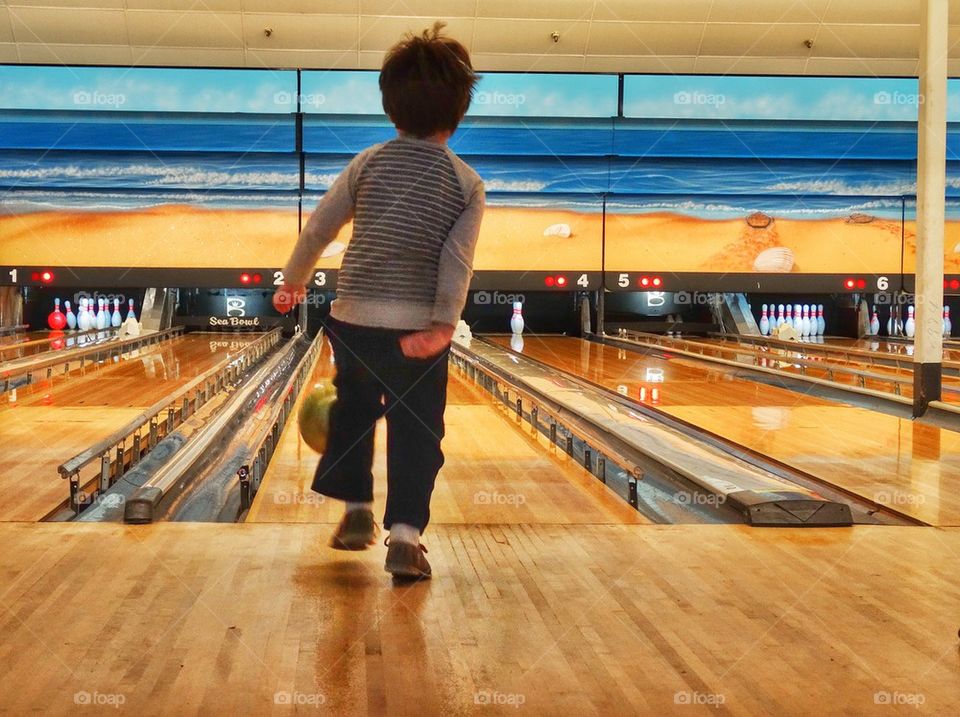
(498, 94)
(142, 89)
(501, 94)
(802, 98)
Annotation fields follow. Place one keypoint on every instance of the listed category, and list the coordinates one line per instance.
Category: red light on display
(861, 283)
(657, 281)
(244, 278)
(644, 281)
(257, 278)
(955, 284)
(549, 281)
(35, 276)
(46, 277)
(849, 283)
(561, 281)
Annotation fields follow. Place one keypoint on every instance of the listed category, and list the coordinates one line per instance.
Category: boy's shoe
(356, 531)
(406, 561)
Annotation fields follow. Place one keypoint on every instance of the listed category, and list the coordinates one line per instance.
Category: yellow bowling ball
(314, 416)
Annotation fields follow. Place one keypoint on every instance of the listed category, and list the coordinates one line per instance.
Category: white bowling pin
(516, 321)
(82, 315)
(874, 323)
(788, 318)
(821, 322)
(130, 314)
(947, 324)
(71, 317)
(102, 320)
(115, 318)
(805, 321)
(764, 321)
(798, 318)
(910, 328)
(890, 324)
(779, 315)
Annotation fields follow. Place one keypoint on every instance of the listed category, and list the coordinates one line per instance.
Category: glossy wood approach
(496, 471)
(909, 466)
(47, 422)
(605, 620)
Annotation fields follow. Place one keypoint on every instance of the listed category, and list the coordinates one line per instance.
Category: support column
(931, 181)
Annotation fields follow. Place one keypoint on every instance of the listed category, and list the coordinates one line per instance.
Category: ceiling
(849, 37)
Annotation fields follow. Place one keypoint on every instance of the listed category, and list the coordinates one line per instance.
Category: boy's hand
(286, 297)
(426, 343)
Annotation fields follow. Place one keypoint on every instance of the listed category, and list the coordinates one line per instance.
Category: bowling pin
(82, 316)
(947, 324)
(787, 317)
(131, 315)
(764, 321)
(874, 323)
(798, 318)
(890, 323)
(103, 317)
(779, 315)
(821, 322)
(899, 321)
(71, 317)
(805, 321)
(115, 318)
(516, 321)
(910, 328)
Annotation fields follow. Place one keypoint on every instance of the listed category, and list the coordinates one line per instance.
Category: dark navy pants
(375, 379)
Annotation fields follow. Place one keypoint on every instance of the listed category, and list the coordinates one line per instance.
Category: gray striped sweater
(416, 209)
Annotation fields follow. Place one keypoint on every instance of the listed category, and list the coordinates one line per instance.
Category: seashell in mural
(557, 230)
(778, 259)
(956, 248)
(333, 248)
(858, 218)
(759, 220)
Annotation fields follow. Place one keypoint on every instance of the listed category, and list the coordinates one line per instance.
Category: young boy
(416, 210)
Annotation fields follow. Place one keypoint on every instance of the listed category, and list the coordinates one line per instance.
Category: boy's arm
(333, 211)
(456, 261)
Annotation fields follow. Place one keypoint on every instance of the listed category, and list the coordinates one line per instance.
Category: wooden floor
(496, 471)
(910, 466)
(177, 619)
(44, 424)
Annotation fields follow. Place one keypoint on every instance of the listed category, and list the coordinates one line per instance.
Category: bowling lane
(45, 423)
(844, 368)
(496, 471)
(909, 466)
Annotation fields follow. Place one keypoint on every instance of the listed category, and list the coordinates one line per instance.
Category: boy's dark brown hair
(427, 82)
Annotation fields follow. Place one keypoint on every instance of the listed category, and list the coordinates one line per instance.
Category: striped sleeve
(335, 209)
(456, 260)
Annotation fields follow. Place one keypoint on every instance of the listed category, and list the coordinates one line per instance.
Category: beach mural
(951, 237)
(149, 167)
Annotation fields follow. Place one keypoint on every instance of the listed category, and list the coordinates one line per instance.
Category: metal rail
(95, 336)
(11, 373)
(701, 350)
(875, 358)
(265, 442)
(773, 501)
(153, 423)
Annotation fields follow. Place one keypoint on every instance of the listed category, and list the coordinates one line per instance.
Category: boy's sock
(350, 506)
(403, 533)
